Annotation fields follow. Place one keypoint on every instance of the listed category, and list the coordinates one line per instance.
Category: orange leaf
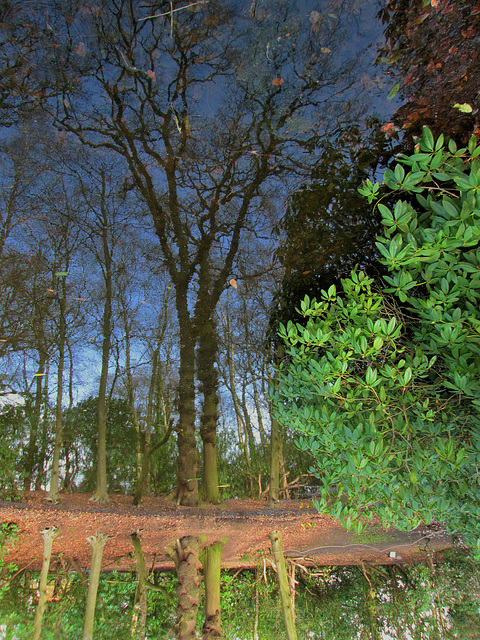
(277, 82)
(233, 283)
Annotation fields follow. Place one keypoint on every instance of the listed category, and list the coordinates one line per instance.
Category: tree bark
(97, 544)
(212, 561)
(31, 457)
(139, 616)
(208, 377)
(45, 423)
(188, 458)
(275, 449)
(48, 537)
(282, 576)
(185, 554)
(101, 494)
(275, 462)
(54, 480)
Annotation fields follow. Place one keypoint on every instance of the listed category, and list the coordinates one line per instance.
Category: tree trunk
(101, 494)
(275, 462)
(258, 577)
(185, 554)
(208, 377)
(212, 562)
(147, 456)
(282, 576)
(275, 449)
(31, 456)
(127, 324)
(42, 453)
(54, 480)
(48, 537)
(250, 438)
(229, 352)
(97, 544)
(188, 458)
(139, 616)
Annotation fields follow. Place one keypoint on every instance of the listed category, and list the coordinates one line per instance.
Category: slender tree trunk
(48, 537)
(54, 480)
(147, 456)
(101, 494)
(229, 352)
(275, 462)
(188, 458)
(208, 377)
(265, 381)
(256, 399)
(155, 396)
(258, 577)
(185, 554)
(42, 454)
(275, 451)
(130, 390)
(31, 456)
(282, 576)
(139, 616)
(252, 451)
(97, 544)
(212, 561)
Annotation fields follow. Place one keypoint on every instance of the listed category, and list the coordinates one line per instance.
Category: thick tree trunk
(212, 561)
(97, 544)
(282, 576)
(48, 537)
(208, 377)
(185, 554)
(188, 458)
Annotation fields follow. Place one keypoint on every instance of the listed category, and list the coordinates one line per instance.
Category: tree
(328, 227)
(48, 537)
(203, 178)
(81, 433)
(97, 544)
(387, 397)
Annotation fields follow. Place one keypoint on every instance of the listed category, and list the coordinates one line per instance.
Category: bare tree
(207, 108)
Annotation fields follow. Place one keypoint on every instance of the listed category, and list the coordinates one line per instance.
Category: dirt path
(243, 525)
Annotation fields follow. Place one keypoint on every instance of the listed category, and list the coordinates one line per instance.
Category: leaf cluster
(389, 406)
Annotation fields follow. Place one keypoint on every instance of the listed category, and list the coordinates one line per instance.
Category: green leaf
(394, 91)
(428, 139)
(464, 107)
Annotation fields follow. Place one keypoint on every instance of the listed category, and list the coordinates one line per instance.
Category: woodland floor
(243, 525)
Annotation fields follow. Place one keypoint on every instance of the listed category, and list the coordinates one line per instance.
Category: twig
(171, 11)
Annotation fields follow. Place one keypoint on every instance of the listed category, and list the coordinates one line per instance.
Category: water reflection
(434, 601)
